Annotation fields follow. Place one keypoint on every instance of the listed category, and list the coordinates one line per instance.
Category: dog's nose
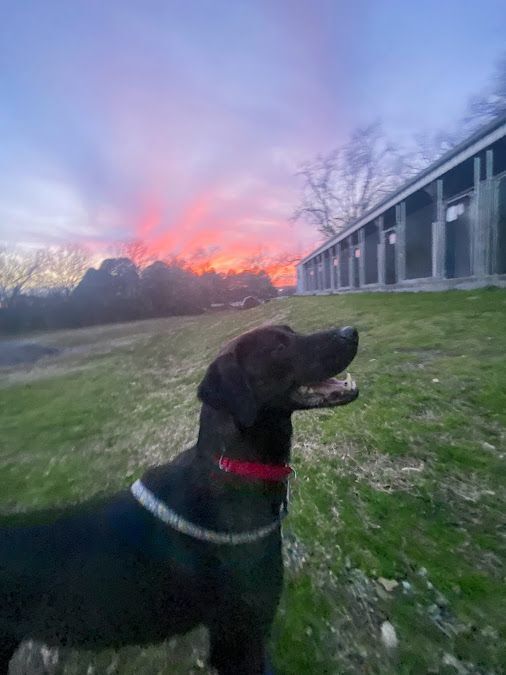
(349, 333)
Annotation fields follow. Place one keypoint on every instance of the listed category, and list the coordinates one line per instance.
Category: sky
(182, 122)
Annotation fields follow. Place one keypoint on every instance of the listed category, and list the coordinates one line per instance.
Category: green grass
(408, 483)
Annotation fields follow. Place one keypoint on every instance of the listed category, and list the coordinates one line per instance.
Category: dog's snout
(349, 333)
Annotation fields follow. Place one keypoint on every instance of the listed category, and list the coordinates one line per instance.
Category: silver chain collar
(161, 511)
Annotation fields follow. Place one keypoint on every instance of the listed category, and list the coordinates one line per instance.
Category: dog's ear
(225, 387)
(284, 326)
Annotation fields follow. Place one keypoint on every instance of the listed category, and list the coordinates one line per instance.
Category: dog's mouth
(327, 393)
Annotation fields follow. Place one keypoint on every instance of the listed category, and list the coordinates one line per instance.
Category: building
(444, 228)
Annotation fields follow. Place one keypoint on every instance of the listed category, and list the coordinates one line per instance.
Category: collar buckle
(286, 500)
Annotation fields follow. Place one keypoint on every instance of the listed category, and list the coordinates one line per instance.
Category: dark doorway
(420, 212)
(327, 269)
(345, 263)
(355, 277)
(371, 241)
(355, 261)
(501, 229)
(356, 267)
(458, 238)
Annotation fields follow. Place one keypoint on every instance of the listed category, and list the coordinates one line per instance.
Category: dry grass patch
(381, 471)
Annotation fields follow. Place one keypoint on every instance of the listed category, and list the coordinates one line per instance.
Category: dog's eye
(280, 348)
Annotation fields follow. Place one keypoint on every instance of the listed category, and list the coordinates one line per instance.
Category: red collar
(255, 470)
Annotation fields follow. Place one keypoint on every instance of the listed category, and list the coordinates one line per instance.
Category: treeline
(119, 290)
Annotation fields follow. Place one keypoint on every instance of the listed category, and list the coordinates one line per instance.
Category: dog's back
(98, 575)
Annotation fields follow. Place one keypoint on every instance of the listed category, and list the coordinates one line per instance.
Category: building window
(357, 253)
(454, 211)
(392, 238)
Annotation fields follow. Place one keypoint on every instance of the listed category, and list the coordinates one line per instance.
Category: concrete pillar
(332, 269)
(339, 276)
(477, 239)
(381, 252)
(299, 279)
(400, 241)
(351, 263)
(490, 214)
(489, 164)
(361, 260)
(438, 235)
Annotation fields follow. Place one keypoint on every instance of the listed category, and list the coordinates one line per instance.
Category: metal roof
(483, 137)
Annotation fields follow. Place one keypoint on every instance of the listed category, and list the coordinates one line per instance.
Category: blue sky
(183, 122)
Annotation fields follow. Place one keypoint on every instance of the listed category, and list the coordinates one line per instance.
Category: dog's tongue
(326, 386)
(332, 384)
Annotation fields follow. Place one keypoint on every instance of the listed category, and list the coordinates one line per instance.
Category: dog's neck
(249, 504)
(222, 501)
(267, 441)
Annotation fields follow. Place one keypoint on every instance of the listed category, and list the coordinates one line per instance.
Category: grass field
(406, 486)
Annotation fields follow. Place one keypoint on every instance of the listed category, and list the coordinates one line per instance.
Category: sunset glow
(183, 125)
(207, 234)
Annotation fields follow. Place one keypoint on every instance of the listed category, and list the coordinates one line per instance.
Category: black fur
(110, 574)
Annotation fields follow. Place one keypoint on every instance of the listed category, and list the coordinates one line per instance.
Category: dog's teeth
(348, 383)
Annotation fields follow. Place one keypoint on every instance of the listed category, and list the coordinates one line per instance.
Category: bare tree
(342, 185)
(57, 267)
(19, 268)
(482, 108)
(278, 266)
(491, 102)
(318, 203)
(138, 252)
(281, 268)
(429, 147)
(64, 267)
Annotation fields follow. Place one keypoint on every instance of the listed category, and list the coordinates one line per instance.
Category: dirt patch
(22, 362)
(15, 353)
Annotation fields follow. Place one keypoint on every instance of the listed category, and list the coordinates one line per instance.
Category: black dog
(198, 540)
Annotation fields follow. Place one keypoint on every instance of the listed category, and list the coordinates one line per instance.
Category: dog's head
(277, 368)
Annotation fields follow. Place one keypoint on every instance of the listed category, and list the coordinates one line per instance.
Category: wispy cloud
(182, 123)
